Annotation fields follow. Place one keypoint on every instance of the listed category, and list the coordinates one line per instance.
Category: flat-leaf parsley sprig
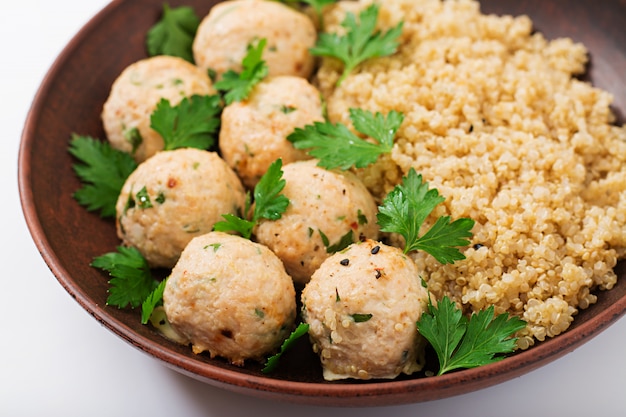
(174, 33)
(131, 281)
(102, 171)
(316, 5)
(405, 209)
(152, 301)
(269, 203)
(192, 123)
(462, 343)
(237, 86)
(361, 42)
(335, 146)
(272, 361)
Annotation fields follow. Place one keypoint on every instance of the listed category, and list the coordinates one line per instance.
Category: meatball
(231, 297)
(324, 207)
(254, 132)
(223, 37)
(171, 198)
(136, 93)
(362, 306)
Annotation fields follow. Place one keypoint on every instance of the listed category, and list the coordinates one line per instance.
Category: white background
(55, 360)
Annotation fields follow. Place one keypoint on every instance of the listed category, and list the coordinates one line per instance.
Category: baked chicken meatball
(224, 35)
(324, 207)
(254, 132)
(135, 94)
(231, 297)
(362, 306)
(171, 198)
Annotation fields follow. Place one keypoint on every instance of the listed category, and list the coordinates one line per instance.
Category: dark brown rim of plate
(611, 306)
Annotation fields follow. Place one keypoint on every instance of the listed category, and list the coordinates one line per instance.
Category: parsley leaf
(131, 281)
(335, 146)
(462, 343)
(152, 301)
(272, 361)
(232, 223)
(133, 136)
(192, 123)
(174, 33)
(382, 129)
(269, 203)
(344, 241)
(317, 5)
(407, 206)
(361, 317)
(361, 41)
(102, 170)
(239, 85)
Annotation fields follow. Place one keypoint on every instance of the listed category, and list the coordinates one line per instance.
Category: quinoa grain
(496, 119)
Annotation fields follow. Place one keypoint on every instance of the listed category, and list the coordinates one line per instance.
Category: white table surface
(56, 360)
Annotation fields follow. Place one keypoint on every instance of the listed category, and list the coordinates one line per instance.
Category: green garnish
(133, 136)
(152, 301)
(361, 318)
(407, 206)
(233, 223)
(212, 75)
(317, 5)
(462, 343)
(337, 147)
(102, 171)
(269, 203)
(361, 41)
(131, 281)
(174, 33)
(239, 85)
(130, 203)
(344, 241)
(362, 218)
(215, 246)
(143, 199)
(160, 198)
(272, 361)
(287, 109)
(191, 124)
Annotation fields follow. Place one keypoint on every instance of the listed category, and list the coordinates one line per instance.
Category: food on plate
(171, 198)
(269, 203)
(231, 26)
(231, 297)
(336, 146)
(253, 132)
(135, 95)
(327, 211)
(383, 281)
(361, 306)
(483, 108)
(237, 85)
(497, 119)
(358, 40)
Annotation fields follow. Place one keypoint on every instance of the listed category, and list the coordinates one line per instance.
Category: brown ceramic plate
(68, 237)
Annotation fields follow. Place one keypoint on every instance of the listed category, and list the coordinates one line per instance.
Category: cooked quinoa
(496, 119)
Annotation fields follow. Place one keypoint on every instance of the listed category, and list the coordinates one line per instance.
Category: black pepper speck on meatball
(362, 306)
